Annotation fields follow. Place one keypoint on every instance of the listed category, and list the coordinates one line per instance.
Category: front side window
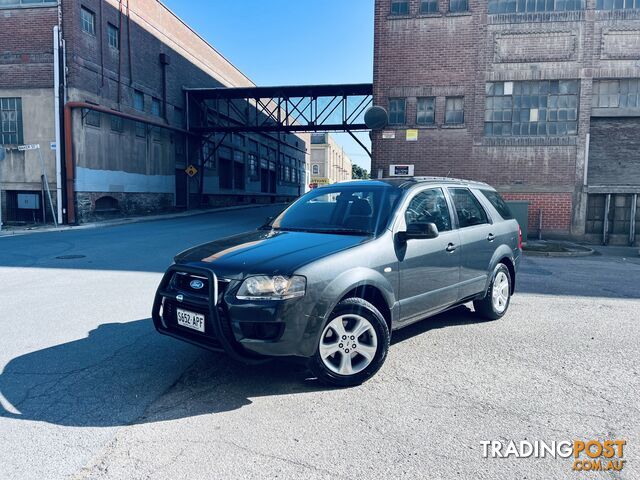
(88, 21)
(454, 111)
(397, 111)
(468, 208)
(530, 6)
(459, 6)
(548, 107)
(10, 121)
(429, 6)
(399, 7)
(426, 111)
(341, 209)
(429, 206)
(617, 4)
(113, 36)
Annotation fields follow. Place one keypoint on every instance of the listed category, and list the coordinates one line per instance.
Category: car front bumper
(246, 330)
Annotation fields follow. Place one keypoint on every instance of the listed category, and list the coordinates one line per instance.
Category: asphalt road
(89, 390)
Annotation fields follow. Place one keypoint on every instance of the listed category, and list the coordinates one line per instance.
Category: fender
(347, 281)
(501, 252)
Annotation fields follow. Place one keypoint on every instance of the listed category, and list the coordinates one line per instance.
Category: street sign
(33, 146)
(313, 186)
(191, 170)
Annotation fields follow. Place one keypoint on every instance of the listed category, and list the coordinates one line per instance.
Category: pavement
(89, 390)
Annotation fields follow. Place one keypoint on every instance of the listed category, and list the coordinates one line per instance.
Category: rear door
(429, 268)
(477, 240)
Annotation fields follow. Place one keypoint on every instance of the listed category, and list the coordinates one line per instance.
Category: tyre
(353, 345)
(496, 302)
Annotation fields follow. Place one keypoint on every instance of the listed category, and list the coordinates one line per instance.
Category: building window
(617, 4)
(426, 111)
(179, 116)
(138, 104)
(10, 121)
(155, 106)
(253, 166)
(17, 3)
(532, 108)
(622, 94)
(117, 124)
(399, 7)
(315, 169)
(429, 6)
(397, 107)
(458, 6)
(92, 117)
(113, 36)
(529, 6)
(454, 111)
(88, 20)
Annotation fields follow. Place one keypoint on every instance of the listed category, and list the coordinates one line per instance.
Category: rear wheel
(353, 344)
(496, 302)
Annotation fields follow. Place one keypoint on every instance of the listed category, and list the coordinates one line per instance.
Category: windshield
(341, 209)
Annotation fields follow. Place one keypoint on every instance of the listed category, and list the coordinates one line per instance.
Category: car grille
(182, 282)
(170, 319)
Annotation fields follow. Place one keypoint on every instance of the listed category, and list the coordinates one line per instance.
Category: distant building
(134, 58)
(329, 163)
(539, 98)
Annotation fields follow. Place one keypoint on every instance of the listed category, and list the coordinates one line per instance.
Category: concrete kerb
(130, 220)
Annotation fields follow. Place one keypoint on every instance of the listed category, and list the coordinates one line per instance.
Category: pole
(2, 155)
(46, 185)
(56, 96)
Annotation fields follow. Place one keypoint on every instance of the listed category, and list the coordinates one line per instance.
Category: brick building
(538, 98)
(129, 62)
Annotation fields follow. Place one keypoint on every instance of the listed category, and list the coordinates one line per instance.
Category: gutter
(68, 144)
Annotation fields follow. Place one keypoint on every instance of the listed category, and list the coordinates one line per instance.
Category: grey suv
(333, 275)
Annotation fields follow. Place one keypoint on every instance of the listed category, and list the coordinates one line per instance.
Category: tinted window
(429, 206)
(469, 210)
(498, 203)
(344, 209)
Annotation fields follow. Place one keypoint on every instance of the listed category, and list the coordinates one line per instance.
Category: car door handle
(451, 248)
(491, 237)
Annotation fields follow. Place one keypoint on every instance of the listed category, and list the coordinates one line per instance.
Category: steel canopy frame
(288, 109)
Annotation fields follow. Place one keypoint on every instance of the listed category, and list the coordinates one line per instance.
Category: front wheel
(496, 302)
(353, 345)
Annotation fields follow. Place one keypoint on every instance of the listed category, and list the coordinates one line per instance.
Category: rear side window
(498, 203)
(469, 210)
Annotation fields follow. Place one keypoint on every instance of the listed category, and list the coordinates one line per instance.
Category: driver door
(429, 268)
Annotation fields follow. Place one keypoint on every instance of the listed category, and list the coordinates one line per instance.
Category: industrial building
(329, 162)
(99, 86)
(539, 98)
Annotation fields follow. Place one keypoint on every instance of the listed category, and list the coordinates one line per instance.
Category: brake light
(519, 237)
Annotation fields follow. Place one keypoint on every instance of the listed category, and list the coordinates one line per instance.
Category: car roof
(406, 183)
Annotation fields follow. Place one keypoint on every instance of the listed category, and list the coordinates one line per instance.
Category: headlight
(272, 288)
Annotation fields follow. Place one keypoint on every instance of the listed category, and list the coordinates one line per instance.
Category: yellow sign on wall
(412, 135)
(191, 170)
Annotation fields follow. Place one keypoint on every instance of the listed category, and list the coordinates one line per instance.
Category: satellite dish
(376, 118)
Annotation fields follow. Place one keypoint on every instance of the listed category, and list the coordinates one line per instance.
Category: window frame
(454, 98)
(113, 36)
(459, 10)
(402, 11)
(491, 4)
(404, 110)
(418, 111)
(430, 4)
(87, 11)
(19, 132)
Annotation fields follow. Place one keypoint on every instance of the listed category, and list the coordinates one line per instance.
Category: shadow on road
(125, 373)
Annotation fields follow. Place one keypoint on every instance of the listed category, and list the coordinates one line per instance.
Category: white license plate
(192, 320)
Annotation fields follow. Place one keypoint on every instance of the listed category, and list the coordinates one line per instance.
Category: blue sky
(291, 42)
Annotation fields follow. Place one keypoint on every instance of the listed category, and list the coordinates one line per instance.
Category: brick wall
(556, 210)
(26, 47)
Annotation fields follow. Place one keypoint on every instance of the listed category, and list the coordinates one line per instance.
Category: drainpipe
(56, 115)
(632, 225)
(605, 226)
(68, 143)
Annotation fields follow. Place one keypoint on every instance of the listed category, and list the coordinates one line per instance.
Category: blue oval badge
(196, 284)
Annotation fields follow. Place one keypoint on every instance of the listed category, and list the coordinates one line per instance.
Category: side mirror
(419, 231)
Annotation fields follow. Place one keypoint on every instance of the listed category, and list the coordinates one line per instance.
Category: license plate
(192, 320)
